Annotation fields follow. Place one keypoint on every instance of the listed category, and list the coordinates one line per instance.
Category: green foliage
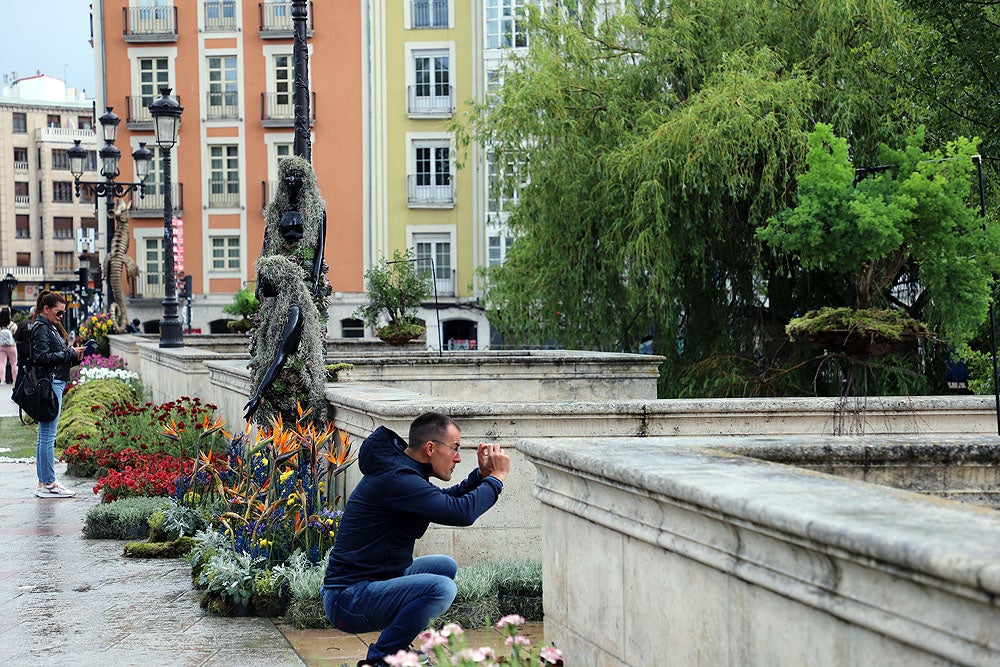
(86, 404)
(169, 549)
(910, 222)
(122, 519)
(230, 575)
(245, 307)
(333, 370)
(889, 323)
(395, 289)
(648, 146)
(487, 591)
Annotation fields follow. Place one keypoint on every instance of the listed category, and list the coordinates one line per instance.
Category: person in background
(372, 581)
(135, 326)
(8, 345)
(51, 353)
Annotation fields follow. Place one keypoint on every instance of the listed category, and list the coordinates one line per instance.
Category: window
(352, 328)
(62, 191)
(223, 87)
(435, 250)
(497, 250)
(276, 15)
(22, 227)
(152, 266)
(21, 196)
(224, 176)
(504, 184)
(24, 259)
(505, 24)
(431, 178)
(62, 228)
(432, 91)
(85, 123)
(88, 223)
(220, 15)
(154, 179)
(53, 120)
(20, 122)
(283, 77)
(226, 253)
(64, 262)
(91, 163)
(20, 158)
(154, 73)
(429, 13)
(60, 158)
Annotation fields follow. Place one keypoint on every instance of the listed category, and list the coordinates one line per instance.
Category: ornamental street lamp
(166, 113)
(109, 188)
(300, 98)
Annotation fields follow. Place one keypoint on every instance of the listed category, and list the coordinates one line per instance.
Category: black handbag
(34, 394)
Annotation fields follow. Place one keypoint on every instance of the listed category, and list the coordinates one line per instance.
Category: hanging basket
(857, 333)
(400, 334)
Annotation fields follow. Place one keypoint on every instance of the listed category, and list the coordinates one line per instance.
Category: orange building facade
(230, 65)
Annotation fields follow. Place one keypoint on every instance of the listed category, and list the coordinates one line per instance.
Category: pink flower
(431, 639)
(551, 655)
(519, 640)
(403, 659)
(510, 619)
(480, 654)
(452, 629)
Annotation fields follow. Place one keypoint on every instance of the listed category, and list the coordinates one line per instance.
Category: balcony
(22, 201)
(222, 106)
(220, 16)
(276, 20)
(223, 194)
(65, 135)
(428, 14)
(149, 24)
(137, 116)
(278, 110)
(423, 192)
(151, 206)
(20, 166)
(430, 101)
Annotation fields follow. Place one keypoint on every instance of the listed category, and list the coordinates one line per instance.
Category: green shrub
(125, 519)
(487, 591)
(305, 580)
(170, 549)
(78, 416)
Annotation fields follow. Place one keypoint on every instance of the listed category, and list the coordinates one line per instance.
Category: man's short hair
(429, 426)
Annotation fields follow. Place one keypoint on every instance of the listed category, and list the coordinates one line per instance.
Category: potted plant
(905, 224)
(395, 289)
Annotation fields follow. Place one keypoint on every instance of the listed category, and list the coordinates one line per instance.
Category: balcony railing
(151, 205)
(137, 112)
(65, 135)
(276, 20)
(150, 24)
(220, 16)
(223, 194)
(21, 166)
(426, 100)
(421, 190)
(429, 13)
(222, 106)
(22, 201)
(278, 109)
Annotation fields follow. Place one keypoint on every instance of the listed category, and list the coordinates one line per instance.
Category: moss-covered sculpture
(287, 346)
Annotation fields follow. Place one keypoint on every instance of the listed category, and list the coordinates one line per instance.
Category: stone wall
(680, 551)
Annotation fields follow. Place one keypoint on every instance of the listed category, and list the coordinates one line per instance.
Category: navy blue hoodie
(391, 508)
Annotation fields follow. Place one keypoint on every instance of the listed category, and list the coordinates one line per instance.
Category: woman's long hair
(50, 300)
(4, 317)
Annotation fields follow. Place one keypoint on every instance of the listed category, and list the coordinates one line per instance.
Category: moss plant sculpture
(395, 289)
(287, 344)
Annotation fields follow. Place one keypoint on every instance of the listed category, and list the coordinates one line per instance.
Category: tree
(654, 143)
(910, 221)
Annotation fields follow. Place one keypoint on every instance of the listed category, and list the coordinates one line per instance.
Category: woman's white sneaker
(53, 490)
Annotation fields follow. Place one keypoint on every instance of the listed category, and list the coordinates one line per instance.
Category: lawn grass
(20, 439)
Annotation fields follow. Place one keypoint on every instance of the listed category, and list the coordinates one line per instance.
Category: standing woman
(51, 353)
(8, 346)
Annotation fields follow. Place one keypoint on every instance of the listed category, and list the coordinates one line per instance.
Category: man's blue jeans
(402, 606)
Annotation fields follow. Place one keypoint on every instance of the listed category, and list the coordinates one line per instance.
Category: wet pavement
(66, 600)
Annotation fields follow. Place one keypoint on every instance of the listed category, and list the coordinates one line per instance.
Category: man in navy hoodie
(372, 581)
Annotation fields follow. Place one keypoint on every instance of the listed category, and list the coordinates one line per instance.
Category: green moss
(889, 323)
(125, 519)
(78, 416)
(333, 370)
(173, 549)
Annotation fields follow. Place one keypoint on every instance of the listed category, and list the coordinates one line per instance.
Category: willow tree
(653, 143)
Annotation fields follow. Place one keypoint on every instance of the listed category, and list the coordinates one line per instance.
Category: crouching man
(372, 581)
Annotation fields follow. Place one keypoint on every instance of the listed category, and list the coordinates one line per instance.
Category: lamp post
(166, 113)
(7, 286)
(109, 188)
(300, 99)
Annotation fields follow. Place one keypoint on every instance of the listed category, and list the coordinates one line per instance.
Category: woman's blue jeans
(402, 606)
(45, 451)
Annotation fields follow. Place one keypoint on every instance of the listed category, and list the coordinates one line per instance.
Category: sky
(48, 35)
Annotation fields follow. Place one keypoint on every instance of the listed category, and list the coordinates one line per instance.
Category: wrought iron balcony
(223, 194)
(220, 16)
(137, 112)
(222, 106)
(278, 109)
(430, 100)
(149, 24)
(276, 20)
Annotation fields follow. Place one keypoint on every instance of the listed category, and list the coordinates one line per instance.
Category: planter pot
(400, 335)
(860, 344)
(857, 333)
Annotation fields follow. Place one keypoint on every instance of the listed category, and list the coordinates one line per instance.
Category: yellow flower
(292, 498)
(285, 475)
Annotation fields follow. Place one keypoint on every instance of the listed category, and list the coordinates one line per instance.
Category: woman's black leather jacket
(49, 352)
